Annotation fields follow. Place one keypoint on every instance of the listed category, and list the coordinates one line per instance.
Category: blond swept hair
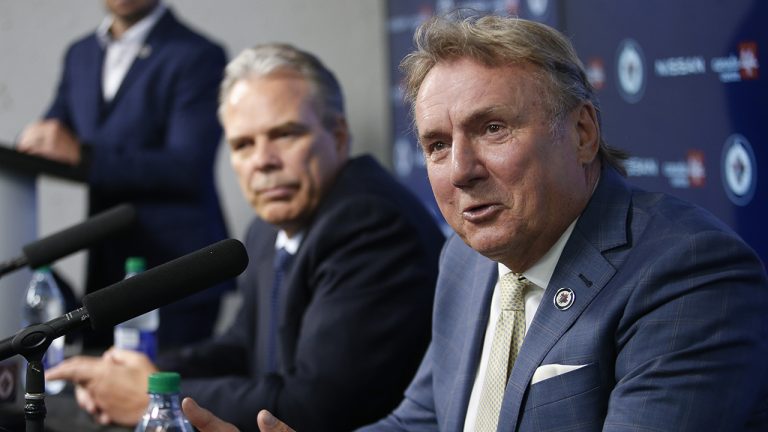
(498, 41)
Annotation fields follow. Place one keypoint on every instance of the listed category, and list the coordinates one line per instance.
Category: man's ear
(588, 132)
(341, 134)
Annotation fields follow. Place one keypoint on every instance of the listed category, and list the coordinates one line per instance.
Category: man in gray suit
(568, 300)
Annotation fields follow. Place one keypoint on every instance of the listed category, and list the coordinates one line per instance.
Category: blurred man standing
(136, 110)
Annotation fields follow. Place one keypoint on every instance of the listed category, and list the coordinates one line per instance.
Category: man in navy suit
(136, 109)
(639, 312)
(330, 340)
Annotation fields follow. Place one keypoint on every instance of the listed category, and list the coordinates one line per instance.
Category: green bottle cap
(164, 382)
(135, 265)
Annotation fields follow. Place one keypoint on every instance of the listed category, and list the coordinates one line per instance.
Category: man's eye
(493, 128)
(437, 146)
(284, 134)
(239, 145)
(289, 132)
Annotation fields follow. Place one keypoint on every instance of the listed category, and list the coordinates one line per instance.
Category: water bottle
(139, 333)
(44, 302)
(163, 413)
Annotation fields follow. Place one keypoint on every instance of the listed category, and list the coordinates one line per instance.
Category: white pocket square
(552, 370)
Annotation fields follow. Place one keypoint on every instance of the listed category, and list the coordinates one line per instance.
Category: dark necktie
(282, 263)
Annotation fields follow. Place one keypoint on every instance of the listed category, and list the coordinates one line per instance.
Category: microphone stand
(34, 397)
(32, 343)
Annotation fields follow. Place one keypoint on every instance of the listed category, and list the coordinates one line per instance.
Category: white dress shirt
(290, 244)
(539, 275)
(120, 53)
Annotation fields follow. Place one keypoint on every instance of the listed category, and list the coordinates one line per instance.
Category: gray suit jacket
(670, 324)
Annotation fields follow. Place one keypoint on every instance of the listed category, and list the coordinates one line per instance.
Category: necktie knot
(513, 287)
(282, 260)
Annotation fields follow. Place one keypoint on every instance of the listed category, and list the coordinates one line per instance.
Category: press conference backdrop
(683, 87)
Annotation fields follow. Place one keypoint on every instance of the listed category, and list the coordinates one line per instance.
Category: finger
(28, 137)
(103, 418)
(269, 423)
(122, 356)
(203, 419)
(76, 369)
(85, 400)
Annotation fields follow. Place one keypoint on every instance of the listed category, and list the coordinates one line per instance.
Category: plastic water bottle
(164, 413)
(44, 302)
(139, 333)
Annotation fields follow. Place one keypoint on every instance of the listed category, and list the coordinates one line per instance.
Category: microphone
(48, 249)
(137, 295)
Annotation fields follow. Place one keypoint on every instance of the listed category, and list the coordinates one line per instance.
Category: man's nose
(265, 155)
(466, 164)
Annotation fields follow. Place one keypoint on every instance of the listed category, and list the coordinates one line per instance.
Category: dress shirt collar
(541, 272)
(291, 244)
(137, 33)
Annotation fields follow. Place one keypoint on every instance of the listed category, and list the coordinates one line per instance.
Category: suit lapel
(87, 79)
(475, 302)
(583, 269)
(148, 54)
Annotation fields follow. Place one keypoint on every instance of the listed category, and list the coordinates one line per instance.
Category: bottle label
(137, 340)
(55, 353)
(53, 356)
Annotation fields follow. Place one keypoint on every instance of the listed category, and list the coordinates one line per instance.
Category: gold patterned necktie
(509, 334)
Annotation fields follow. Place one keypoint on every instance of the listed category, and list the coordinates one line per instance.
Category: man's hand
(205, 421)
(50, 139)
(112, 388)
(269, 423)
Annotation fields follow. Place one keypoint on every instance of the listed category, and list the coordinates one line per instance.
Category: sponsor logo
(538, 8)
(512, 7)
(8, 374)
(737, 67)
(748, 66)
(681, 174)
(696, 172)
(630, 71)
(688, 173)
(596, 73)
(680, 66)
(739, 170)
(642, 167)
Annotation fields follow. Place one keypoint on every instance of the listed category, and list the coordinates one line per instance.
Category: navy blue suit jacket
(669, 324)
(153, 145)
(354, 322)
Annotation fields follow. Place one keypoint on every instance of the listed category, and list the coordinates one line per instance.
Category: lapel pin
(564, 298)
(145, 51)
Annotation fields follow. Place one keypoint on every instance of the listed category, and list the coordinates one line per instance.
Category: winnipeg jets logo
(630, 69)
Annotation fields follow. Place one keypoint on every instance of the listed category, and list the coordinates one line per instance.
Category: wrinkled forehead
(465, 88)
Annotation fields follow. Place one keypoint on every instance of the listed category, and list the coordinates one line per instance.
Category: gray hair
(265, 59)
(497, 41)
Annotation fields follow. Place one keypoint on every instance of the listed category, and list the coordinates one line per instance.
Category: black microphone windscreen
(165, 283)
(80, 236)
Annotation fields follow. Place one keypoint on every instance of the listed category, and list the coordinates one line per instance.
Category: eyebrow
(475, 117)
(483, 114)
